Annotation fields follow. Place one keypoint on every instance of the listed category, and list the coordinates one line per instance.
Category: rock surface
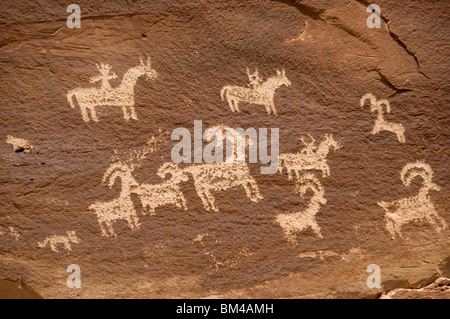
(58, 191)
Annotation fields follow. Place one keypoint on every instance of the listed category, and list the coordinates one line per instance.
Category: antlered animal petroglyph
(298, 221)
(64, 240)
(220, 177)
(380, 123)
(419, 207)
(259, 92)
(118, 208)
(121, 96)
(311, 157)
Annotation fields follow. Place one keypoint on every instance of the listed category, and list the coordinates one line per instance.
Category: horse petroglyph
(220, 177)
(121, 96)
(64, 240)
(311, 157)
(419, 207)
(298, 221)
(380, 123)
(259, 92)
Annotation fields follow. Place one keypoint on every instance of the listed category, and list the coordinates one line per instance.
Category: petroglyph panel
(360, 159)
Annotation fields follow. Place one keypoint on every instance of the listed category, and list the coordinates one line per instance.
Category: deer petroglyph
(64, 240)
(380, 123)
(311, 157)
(121, 96)
(259, 92)
(298, 221)
(419, 207)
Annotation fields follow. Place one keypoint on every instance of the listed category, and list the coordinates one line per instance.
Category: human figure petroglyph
(311, 157)
(220, 177)
(254, 79)
(121, 96)
(104, 76)
(64, 240)
(261, 93)
(420, 207)
(298, 221)
(380, 123)
(118, 208)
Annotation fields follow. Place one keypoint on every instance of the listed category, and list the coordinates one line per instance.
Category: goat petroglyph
(311, 157)
(121, 96)
(118, 208)
(259, 92)
(19, 144)
(165, 193)
(380, 123)
(414, 208)
(64, 240)
(298, 221)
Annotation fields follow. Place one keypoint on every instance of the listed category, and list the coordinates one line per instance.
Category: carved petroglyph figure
(165, 193)
(64, 240)
(254, 79)
(261, 93)
(419, 207)
(121, 96)
(104, 76)
(311, 157)
(118, 208)
(298, 221)
(380, 123)
(220, 177)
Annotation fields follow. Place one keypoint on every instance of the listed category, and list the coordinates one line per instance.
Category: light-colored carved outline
(261, 93)
(420, 207)
(311, 157)
(121, 96)
(298, 221)
(65, 240)
(380, 123)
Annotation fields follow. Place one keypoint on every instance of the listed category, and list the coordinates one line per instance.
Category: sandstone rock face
(87, 177)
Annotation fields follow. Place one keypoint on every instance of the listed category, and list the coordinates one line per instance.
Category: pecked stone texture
(53, 161)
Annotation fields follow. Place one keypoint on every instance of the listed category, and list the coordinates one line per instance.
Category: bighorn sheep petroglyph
(419, 207)
(118, 208)
(165, 193)
(380, 123)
